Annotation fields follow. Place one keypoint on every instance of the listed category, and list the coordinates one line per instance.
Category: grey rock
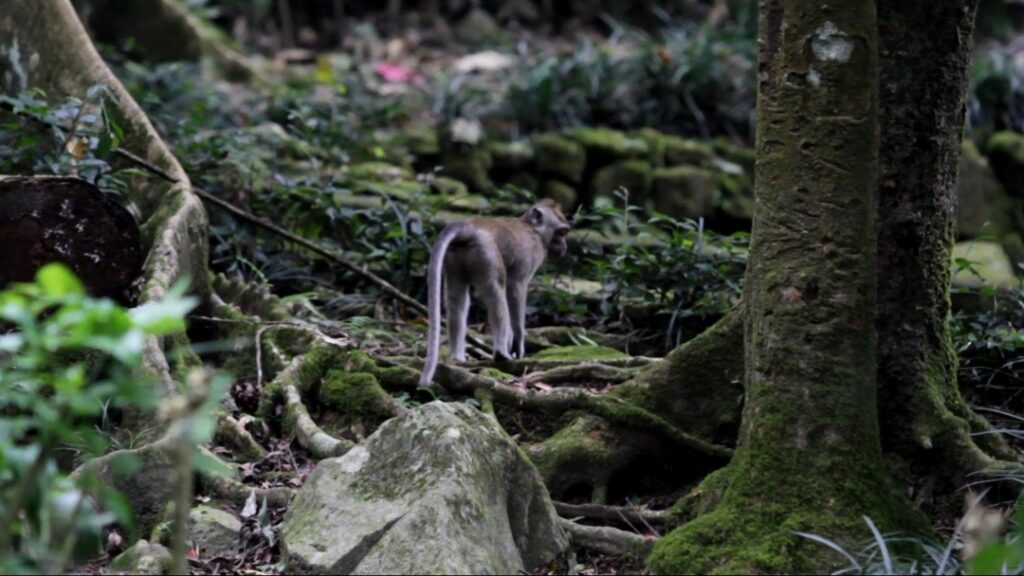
(440, 490)
(214, 531)
(143, 558)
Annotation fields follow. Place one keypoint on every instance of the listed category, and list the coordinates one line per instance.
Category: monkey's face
(559, 243)
(547, 219)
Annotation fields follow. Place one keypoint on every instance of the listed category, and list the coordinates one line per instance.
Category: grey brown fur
(497, 257)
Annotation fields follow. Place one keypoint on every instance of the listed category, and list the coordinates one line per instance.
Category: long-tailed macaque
(497, 257)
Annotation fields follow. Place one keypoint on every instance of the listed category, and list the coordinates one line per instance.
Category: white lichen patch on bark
(831, 45)
(13, 53)
(813, 77)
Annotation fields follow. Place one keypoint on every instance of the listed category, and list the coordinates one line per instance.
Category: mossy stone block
(684, 191)
(684, 152)
(560, 157)
(1006, 152)
(988, 259)
(448, 186)
(633, 175)
(511, 156)
(562, 193)
(470, 166)
(983, 206)
(604, 145)
(655, 145)
(422, 141)
(379, 172)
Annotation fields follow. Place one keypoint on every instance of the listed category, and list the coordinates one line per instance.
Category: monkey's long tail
(451, 232)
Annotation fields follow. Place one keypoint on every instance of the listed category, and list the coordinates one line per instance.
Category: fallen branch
(607, 540)
(611, 513)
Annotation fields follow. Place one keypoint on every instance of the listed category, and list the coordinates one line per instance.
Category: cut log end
(55, 219)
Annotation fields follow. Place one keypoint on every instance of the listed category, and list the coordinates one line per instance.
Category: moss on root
(355, 397)
(581, 353)
(741, 521)
(697, 388)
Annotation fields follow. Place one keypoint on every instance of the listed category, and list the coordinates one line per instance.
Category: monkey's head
(547, 219)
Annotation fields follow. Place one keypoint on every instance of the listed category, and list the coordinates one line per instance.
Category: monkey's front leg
(517, 311)
(456, 294)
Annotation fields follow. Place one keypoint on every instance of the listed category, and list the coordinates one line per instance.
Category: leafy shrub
(68, 362)
(70, 138)
(693, 82)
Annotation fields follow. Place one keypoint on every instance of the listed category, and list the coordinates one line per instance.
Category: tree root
(562, 400)
(582, 373)
(297, 420)
(528, 364)
(607, 540)
(626, 514)
(237, 493)
(230, 432)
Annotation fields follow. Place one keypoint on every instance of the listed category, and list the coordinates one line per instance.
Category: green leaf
(993, 558)
(164, 317)
(58, 280)
(209, 465)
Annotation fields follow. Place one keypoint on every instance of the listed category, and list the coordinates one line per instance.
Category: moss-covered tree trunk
(808, 456)
(165, 30)
(924, 50)
(43, 45)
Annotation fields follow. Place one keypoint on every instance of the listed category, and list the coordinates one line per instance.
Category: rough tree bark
(808, 455)
(166, 30)
(924, 51)
(43, 45)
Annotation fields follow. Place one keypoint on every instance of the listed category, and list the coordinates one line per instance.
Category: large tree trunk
(43, 45)
(924, 50)
(165, 30)
(809, 455)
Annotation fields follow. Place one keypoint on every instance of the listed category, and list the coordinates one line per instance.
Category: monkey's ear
(536, 217)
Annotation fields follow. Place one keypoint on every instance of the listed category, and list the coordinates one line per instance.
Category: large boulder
(440, 490)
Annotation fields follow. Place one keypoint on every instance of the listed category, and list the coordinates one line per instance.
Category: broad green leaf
(58, 280)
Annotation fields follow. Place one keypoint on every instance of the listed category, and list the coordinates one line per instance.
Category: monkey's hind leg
(456, 294)
(493, 295)
(517, 312)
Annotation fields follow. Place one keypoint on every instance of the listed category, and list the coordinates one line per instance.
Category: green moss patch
(580, 353)
(560, 157)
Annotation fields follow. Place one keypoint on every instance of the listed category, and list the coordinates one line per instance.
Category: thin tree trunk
(924, 50)
(809, 455)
